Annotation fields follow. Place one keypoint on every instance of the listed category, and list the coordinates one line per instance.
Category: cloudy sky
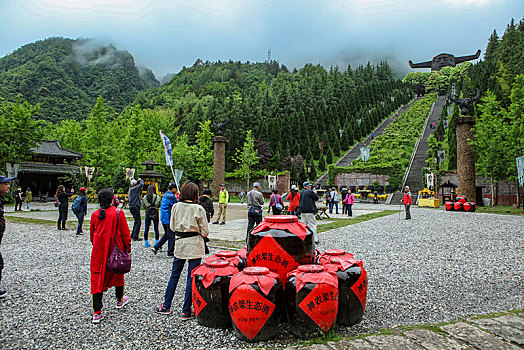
(165, 35)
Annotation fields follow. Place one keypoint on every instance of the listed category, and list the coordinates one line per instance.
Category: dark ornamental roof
(47, 168)
(448, 184)
(52, 148)
(150, 162)
(151, 174)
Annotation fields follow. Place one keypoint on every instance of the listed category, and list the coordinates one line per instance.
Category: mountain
(66, 76)
(211, 79)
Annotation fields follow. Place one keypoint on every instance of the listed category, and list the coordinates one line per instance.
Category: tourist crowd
(184, 217)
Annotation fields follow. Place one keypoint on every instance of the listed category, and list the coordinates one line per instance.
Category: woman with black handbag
(108, 227)
(62, 203)
(151, 203)
(189, 222)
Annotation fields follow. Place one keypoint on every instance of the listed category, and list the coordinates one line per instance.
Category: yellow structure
(426, 198)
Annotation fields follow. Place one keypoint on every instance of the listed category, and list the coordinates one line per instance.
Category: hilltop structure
(444, 60)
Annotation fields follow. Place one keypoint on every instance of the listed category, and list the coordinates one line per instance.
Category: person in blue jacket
(81, 212)
(168, 199)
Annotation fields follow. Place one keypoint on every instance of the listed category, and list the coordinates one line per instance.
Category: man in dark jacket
(207, 203)
(343, 194)
(255, 199)
(168, 200)
(4, 188)
(135, 203)
(18, 199)
(308, 208)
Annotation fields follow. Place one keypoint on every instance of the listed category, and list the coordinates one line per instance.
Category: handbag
(253, 209)
(277, 204)
(119, 261)
(57, 202)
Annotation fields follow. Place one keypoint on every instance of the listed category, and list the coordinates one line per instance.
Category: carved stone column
(465, 158)
(219, 163)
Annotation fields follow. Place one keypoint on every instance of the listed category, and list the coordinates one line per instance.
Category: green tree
(20, 131)
(97, 142)
(69, 134)
(246, 157)
(491, 145)
(204, 151)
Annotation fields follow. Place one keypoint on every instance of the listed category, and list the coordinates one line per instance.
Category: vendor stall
(426, 198)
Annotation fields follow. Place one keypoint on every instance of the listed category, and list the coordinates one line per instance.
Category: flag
(167, 149)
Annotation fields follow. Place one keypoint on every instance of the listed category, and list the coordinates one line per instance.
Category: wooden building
(47, 168)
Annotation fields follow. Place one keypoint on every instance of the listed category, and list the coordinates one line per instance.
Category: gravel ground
(437, 267)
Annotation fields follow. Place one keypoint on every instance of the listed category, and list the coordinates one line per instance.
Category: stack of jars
(461, 204)
(277, 277)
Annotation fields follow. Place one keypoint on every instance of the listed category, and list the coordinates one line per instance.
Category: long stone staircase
(413, 178)
(354, 152)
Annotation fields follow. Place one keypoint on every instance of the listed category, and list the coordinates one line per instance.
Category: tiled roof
(150, 162)
(151, 174)
(47, 168)
(52, 148)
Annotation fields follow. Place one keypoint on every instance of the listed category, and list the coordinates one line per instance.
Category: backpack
(76, 205)
(152, 211)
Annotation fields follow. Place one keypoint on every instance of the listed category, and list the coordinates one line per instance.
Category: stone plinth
(219, 163)
(465, 158)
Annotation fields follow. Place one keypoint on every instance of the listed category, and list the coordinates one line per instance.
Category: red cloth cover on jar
(265, 280)
(288, 223)
(210, 270)
(228, 255)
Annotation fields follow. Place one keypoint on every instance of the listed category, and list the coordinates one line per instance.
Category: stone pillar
(219, 163)
(465, 158)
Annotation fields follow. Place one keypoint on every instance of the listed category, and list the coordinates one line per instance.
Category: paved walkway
(234, 230)
(502, 332)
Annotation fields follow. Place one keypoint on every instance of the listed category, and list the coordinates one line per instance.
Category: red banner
(249, 310)
(360, 288)
(270, 254)
(321, 305)
(198, 302)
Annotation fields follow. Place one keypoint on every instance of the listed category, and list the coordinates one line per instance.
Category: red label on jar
(270, 254)
(360, 288)
(198, 302)
(249, 310)
(321, 305)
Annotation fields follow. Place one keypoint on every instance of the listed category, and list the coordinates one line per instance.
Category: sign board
(520, 170)
(430, 180)
(441, 155)
(272, 179)
(178, 175)
(364, 153)
(12, 169)
(89, 172)
(130, 173)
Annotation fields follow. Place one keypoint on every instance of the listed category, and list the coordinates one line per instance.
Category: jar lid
(218, 263)
(226, 254)
(256, 270)
(335, 252)
(310, 268)
(281, 218)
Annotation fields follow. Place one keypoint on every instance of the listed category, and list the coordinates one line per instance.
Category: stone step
(476, 337)
(354, 152)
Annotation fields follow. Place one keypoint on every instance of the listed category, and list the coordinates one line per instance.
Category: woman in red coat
(407, 202)
(294, 200)
(103, 228)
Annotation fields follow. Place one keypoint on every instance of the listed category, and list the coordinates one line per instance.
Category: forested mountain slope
(66, 76)
(301, 119)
